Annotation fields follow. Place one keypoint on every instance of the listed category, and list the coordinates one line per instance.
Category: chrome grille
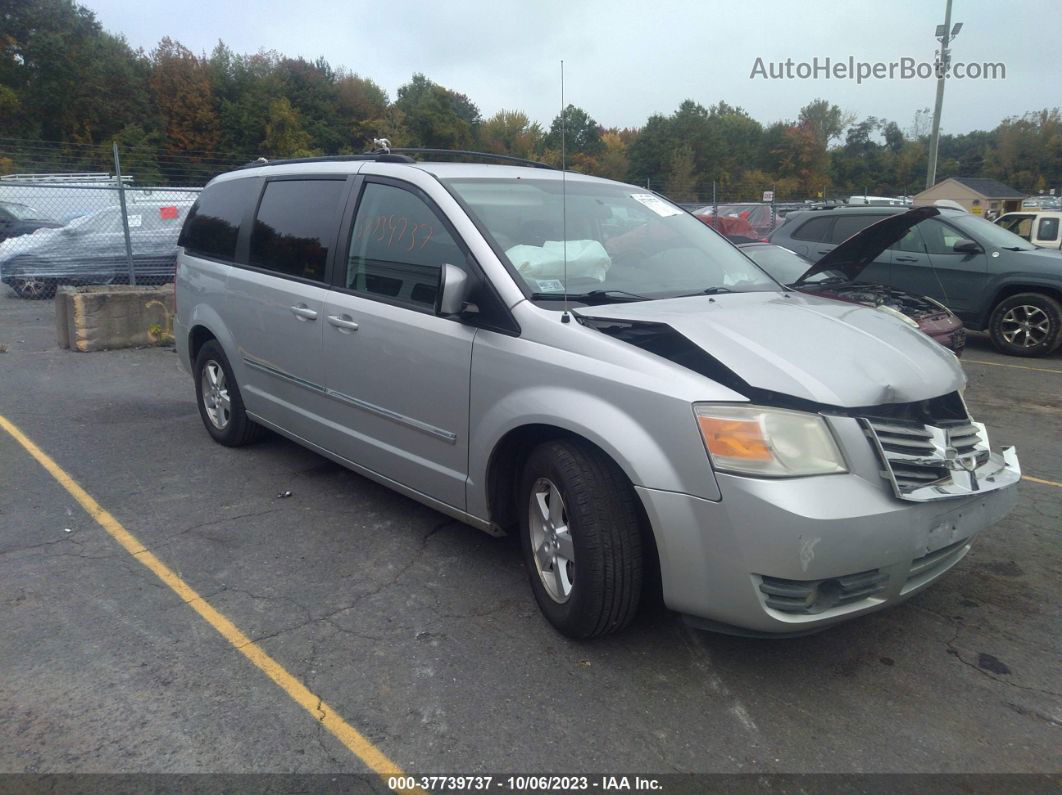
(917, 457)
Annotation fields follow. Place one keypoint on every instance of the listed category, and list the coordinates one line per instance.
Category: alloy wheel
(215, 395)
(1025, 326)
(31, 288)
(551, 540)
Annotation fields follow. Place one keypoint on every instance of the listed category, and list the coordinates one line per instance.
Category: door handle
(303, 312)
(342, 323)
(825, 251)
(907, 259)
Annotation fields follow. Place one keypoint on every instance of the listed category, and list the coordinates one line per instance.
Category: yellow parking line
(1043, 482)
(354, 740)
(1013, 366)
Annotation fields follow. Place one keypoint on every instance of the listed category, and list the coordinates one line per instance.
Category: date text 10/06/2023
(532, 783)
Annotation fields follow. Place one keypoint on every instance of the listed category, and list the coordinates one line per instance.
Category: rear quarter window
(1048, 229)
(213, 223)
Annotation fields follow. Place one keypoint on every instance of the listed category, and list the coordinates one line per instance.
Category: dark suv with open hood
(989, 277)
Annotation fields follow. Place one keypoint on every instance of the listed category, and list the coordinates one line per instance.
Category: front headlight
(753, 440)
(888, 310)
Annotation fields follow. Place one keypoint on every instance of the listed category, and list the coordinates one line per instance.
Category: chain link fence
(70, 229)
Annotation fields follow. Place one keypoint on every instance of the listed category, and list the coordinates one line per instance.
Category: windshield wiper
(592, 295)
(706, 291)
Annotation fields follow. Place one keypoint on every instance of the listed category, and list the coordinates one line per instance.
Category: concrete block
(108, 317)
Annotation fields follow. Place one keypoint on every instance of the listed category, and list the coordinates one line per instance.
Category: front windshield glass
(621, 243)
(987, 233)
(785, 265)
(23, 212)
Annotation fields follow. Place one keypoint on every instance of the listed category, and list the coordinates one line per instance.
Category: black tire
(604, 523)
(238, 429)
(1044, 333)
(32, 288)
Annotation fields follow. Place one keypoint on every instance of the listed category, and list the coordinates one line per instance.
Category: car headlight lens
(753, 440)
(888, 310)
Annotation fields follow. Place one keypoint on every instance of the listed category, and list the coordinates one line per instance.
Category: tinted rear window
(213, 223)
(815, 229)
(296, 226)
(848, 225)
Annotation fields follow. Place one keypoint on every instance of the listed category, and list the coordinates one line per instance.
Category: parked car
(1041, 203)
(991, 278)
(91, 250)
(758, 216)
(638, 405)
(21, 219)
(1037, 227)
(834, 276)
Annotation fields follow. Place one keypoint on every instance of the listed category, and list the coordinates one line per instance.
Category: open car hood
(769, 342)
(862, 248)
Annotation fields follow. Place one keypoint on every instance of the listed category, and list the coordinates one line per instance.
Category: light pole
(945, 33)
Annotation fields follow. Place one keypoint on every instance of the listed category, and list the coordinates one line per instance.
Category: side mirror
(453, 291)
(966, 247)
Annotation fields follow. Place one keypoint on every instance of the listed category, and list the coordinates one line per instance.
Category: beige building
(977, 195)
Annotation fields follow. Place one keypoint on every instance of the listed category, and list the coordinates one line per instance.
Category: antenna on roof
(565, 317)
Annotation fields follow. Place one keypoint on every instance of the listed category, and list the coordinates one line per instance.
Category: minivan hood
(853, 255)
(810, 348)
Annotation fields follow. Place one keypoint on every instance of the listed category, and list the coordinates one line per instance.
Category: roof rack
(396, 156)
(380, 157)
(468, 153)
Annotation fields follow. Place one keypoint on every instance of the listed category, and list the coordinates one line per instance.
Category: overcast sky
(627, 60)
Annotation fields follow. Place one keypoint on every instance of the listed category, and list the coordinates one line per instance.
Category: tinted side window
(398, 247)
(1048, 229)
(815, 230)
(214, 221)
(296, 226)
(911, 242)
(940, 238)
(848, 225)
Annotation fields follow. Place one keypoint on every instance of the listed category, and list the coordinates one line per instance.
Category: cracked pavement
(423, 633)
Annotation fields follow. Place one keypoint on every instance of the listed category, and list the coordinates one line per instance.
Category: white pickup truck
(1039, 227)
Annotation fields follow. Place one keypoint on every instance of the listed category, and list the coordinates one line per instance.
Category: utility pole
(944, 34)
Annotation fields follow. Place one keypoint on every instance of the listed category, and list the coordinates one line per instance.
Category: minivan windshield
(604, 241)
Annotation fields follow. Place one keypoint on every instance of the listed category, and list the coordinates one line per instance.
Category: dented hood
(862, 248)
(810, 348)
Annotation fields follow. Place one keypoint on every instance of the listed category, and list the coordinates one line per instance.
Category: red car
(834, 276)
(756, 220)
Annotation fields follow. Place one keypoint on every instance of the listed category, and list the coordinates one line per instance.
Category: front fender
(663, 449)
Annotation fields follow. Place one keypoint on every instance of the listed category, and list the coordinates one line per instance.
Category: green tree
(284, 133)
(181, 83)
(436, 117)
(681, 175)
(582, 135)
(511, 132)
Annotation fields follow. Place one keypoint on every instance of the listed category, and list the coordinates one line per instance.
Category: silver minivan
(584, 364)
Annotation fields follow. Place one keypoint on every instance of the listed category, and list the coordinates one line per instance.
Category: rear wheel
(33, 288)
(1027, 324)
(581, 539)
(220, 401)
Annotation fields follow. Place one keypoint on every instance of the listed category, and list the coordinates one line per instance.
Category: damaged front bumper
(790, 556)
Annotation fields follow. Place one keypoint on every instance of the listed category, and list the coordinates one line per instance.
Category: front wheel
(581, 539)
(33, 288)
(1027, 324)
